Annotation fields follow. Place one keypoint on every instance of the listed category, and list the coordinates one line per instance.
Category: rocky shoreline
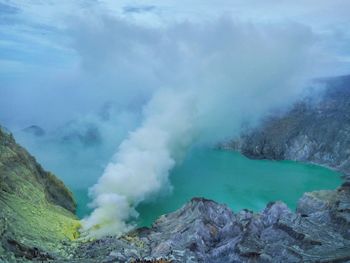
(316, 130)
(37, 221)
(201, 231)
(204, 231)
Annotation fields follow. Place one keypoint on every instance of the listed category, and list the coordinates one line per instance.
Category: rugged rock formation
(37, 221)
(315, 130)
(36, 209)
(204, 231)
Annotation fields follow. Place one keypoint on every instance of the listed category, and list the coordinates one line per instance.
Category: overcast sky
(43, 54)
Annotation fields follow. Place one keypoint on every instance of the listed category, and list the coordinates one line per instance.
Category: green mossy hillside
(37, 218)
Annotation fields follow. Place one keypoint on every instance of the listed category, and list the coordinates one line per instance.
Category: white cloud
(198, 70)
(204, 81)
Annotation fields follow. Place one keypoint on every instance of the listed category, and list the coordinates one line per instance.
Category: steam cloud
(182, 84)
(205, 82)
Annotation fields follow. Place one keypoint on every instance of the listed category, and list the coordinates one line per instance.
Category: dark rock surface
(204, 231)
(316, 130)
(37, 224)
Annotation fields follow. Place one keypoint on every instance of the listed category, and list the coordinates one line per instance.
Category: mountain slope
(315, 130)
(204, 231)
(36, 209)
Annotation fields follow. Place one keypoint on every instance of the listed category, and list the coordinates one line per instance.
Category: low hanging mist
(212, 80)
(150, 94)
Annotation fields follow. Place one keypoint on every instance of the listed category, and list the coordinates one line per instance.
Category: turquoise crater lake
(230, 178)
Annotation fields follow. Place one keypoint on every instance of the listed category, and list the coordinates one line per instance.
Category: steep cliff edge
(315, 130)
(37, 220)
(36, 224)
(204, 231)
(36, 209)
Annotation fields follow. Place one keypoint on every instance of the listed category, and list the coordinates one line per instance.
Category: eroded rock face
(36, 222)
(36, 209)
(204, 231)
(315, 130)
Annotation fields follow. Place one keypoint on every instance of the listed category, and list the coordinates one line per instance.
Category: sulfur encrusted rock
(36, 209)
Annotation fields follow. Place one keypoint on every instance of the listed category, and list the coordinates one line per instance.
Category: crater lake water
(232, 179)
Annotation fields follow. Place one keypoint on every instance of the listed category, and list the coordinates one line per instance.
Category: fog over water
(120, 93)
(231, 179)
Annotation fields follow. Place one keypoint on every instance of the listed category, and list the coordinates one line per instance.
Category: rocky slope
(204, 231)
(315, 130)
(37, 220)
(36, 209)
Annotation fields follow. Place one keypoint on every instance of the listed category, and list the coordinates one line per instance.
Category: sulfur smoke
(209, 80)
(142, 163)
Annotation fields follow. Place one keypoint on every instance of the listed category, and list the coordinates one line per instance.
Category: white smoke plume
(141, 166)
(211, 78)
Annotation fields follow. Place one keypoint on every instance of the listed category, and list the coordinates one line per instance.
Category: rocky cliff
(204, 231)
(37, 220)
(316, 129)
(36, 209)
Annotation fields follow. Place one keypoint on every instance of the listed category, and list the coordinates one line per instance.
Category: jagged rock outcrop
(37, 221)
(315, 130)
(36, 209)
(204, 231)
(36, 224)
